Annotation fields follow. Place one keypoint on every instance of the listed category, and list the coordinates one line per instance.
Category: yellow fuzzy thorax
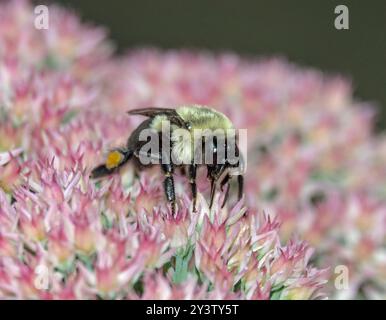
(114, 158)
(156, 124)
(198, 117)
(201, 117)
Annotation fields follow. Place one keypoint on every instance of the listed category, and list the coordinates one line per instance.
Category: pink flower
(311, 173)
(10, 174)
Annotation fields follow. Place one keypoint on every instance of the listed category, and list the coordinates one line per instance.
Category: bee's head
(226, 157)
(224, 166)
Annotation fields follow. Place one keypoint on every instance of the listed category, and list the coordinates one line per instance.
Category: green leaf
(87, 260)
(106, 223)
(138, 286)
(69, 116)
(182, 264)
(276, 293)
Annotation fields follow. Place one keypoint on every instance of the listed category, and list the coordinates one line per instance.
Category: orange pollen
(114, 158)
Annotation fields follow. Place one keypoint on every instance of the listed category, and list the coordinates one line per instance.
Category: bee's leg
(225, 181)
(226, 195)
(192, 180)
(240, 181)
(115, 160)
(213, 184)
(212, 192)
(169, 185)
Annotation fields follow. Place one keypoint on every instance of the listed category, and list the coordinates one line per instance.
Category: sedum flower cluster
(315, 191)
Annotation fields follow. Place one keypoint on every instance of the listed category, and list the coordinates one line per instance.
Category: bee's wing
(152, 112)
(171, 114)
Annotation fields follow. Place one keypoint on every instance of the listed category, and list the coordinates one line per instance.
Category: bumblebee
(185, 121)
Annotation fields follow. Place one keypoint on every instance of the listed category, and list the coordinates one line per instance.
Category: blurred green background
(301, 30)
